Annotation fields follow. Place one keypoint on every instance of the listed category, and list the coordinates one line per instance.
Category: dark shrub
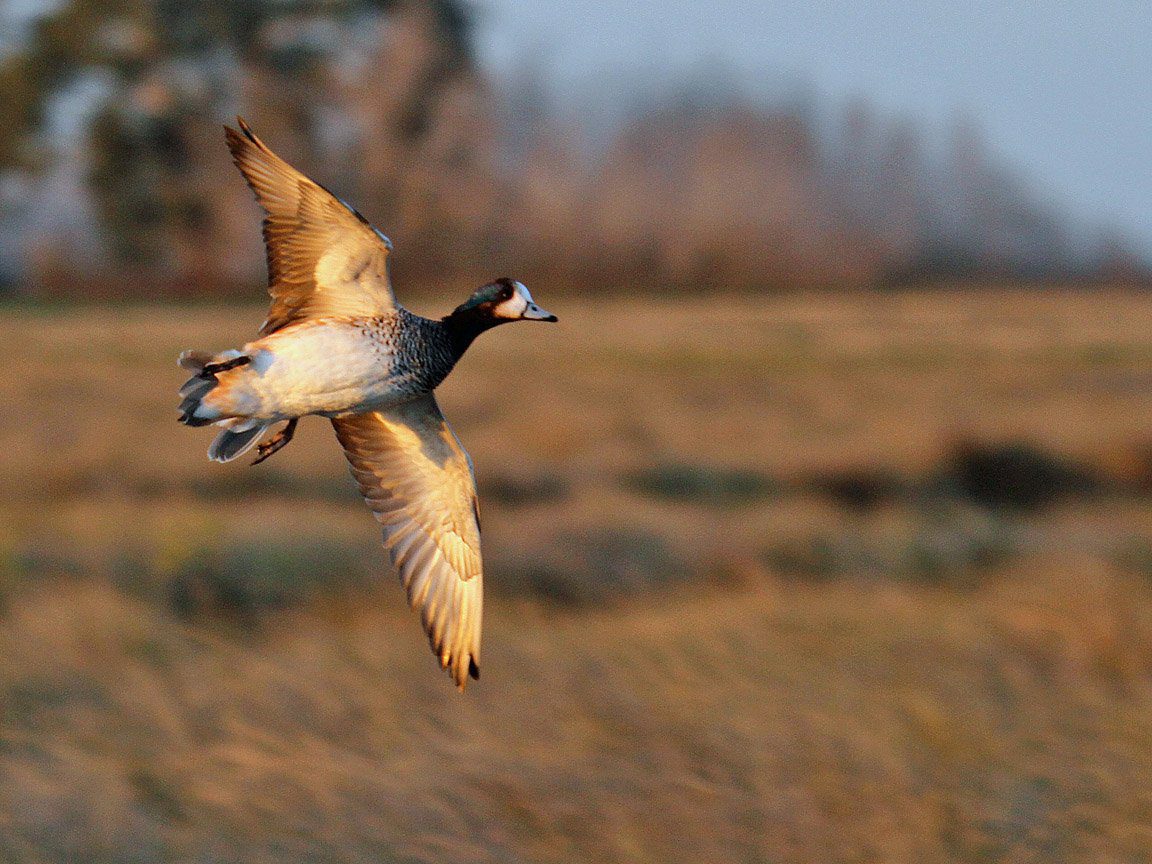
(859, 488)
(593, 567)
(522, 491)
(1016, 475)
(701, 484)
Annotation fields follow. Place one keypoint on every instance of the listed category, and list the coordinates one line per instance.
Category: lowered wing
(418, 481)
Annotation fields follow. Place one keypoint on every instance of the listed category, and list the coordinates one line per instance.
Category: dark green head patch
(490, 293)
(487, 294)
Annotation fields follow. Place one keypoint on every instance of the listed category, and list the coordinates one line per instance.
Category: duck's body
(337, 344)
(331, 367)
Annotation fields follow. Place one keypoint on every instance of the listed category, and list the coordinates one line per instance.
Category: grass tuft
(258, 575)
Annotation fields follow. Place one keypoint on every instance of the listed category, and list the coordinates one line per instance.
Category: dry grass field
(821, 579)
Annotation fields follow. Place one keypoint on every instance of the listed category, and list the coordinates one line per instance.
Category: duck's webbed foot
(277, 442)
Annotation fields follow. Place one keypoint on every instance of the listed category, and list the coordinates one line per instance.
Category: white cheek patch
(515, 305)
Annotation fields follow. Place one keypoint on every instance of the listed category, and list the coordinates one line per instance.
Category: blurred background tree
(154, 80)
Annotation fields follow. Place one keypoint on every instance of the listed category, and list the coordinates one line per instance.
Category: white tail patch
(203, 364)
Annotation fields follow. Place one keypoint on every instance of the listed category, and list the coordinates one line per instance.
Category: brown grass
(946, 682)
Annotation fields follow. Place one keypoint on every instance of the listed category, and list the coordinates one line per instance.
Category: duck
(337, 344)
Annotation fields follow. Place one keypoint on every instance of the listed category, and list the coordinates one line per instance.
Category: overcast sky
(1064, 97)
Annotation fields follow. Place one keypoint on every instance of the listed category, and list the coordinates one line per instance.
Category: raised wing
(324, 258)
(418, 481)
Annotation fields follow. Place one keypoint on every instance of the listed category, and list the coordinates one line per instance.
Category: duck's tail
(238, 433)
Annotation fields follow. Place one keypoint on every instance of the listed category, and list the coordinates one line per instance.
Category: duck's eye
(505, 293)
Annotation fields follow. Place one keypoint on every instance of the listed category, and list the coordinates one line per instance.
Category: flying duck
(337, 343)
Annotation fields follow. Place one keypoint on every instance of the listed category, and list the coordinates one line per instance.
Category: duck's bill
(534, 313)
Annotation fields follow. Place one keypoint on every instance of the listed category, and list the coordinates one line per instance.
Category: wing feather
(324, 258)
(418, 482)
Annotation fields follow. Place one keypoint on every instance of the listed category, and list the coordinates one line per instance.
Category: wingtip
(234, 140)
(460, 678)
(236, 137)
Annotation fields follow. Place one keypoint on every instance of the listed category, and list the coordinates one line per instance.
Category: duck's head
(502, 301)
(499, 302)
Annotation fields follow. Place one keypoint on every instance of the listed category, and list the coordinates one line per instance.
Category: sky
(1063, 90)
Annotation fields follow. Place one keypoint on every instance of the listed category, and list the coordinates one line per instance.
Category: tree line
(114, 181)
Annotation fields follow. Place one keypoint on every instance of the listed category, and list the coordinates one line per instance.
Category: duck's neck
(464, 325)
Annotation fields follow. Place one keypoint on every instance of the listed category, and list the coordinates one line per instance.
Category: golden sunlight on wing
(324, 258)
(418, 481)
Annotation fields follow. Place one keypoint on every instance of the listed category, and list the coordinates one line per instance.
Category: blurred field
(838, 579)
